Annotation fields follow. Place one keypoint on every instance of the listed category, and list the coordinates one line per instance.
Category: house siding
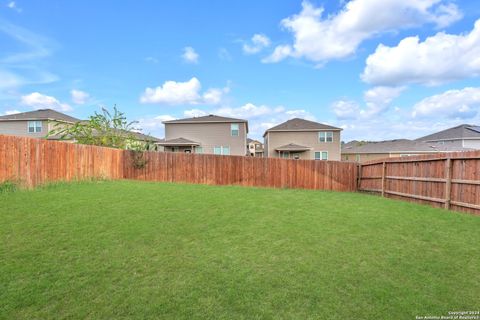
(210, 135)
(20, 128)
(474, 144)
(275, 139)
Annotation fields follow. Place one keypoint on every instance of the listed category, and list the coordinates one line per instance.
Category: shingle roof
(209, 118)
(41, 114)
(298, 124)
(178, 142)
(398, 146)
(458, 132)
(292, 147)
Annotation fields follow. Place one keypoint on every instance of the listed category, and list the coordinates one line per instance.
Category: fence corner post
(384, 173)
(359, 176)
(448, 182)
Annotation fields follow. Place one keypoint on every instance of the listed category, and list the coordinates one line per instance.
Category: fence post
(448, 183)
(359, 176)
(384, 171)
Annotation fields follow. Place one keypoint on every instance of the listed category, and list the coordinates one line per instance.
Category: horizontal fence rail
(449, 180)
(32, 162)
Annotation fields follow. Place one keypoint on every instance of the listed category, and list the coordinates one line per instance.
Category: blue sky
(380, 69)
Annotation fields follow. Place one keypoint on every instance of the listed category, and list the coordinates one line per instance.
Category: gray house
(38, 123)
(303, 139)
(361, 151)
(209, 134)
(462, 136)
(35, 124)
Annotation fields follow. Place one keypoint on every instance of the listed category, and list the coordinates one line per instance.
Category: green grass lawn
(110, 250)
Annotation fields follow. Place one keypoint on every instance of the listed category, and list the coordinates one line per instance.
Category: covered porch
(180, 145)
(292, 151)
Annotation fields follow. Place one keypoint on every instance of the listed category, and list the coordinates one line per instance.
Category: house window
(357, 157)
(325, 136)
(34, 126)
(285, 154)
(198, 150)
(222, 150)
(321, 155)
(234, 129)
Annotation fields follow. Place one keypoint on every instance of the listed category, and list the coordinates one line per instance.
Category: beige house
(38, 123)
(35, 124)
(209, 134)
(462, 136)
(254, 148)
(303, 139)
(361, 151)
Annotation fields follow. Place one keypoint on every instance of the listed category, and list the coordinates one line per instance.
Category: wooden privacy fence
(35, 161)
(449, 180)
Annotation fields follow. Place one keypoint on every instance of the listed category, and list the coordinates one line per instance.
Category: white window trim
(326, 134)
(237, 130)
(222, 150)
(321, 153)
(34, 122)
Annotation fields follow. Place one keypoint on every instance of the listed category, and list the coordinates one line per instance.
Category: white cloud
(377, 100)
(434, 113)
(260, 117)
(189, 55)
(37, 100)
(13, 5)
(257, 44)
(346, 109)
(279, 53)
(439, 59)
(319, 37)
(151, 60)
(79, 97)
(464, 103)
(9, 112)
(213, 96)
(173, 93)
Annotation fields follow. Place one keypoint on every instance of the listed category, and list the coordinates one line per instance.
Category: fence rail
(450, 180)
(35, 161)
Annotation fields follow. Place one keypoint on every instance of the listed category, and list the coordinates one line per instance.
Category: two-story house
(39, 123)
(254, 148)
(303, 139)
(35, 124)
(209, 134)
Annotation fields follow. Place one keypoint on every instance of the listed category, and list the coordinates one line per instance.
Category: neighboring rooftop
(398, 146)
(178, 142)
(459, 132)
(298, 124)
(41, 114)
(211, 118)
(252, 140)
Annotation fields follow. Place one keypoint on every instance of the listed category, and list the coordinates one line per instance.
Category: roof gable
(41, 114)
(298, 124)
(458, 132)
(206, 119)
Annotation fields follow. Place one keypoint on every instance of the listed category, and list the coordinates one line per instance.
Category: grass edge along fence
(448, 180)
(31, 162)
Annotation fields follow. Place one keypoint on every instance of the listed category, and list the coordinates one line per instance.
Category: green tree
(104, 129)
